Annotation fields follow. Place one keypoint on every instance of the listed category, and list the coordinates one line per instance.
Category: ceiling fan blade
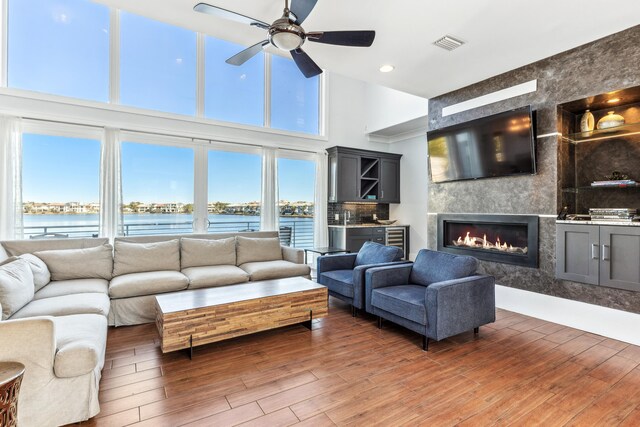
(245, 55)
(305, 63)
(301, 9)
(227, 14)
(343, 38)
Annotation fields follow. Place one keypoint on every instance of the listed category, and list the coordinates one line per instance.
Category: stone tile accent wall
(605, 65)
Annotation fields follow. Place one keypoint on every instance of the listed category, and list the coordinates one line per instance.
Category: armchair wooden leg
(425, 343)
(476, 330)
(379, 322)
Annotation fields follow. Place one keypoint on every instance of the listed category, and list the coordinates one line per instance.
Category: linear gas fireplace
(509, 239)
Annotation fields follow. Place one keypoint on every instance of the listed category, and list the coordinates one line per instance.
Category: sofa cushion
(340, 281)
(259, 249)
(8, 260)
(148, 283)
(143, 257)
(80, 344)
(406, 301)
(268, 270)
(70, 287)
(16, 287)
(66, 305)
(216, 275)
(41, 274)
(375, 253)
(205, 252)
(89, 263)
(431, 267)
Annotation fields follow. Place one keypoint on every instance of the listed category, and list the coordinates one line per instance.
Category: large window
(294, 98)
(235, 181)
(232, 93)
(157, 189)
(60, 186)
(59, 47)
(296, 187)
(157, 65)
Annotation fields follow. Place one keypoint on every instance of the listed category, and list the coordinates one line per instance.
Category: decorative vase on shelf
(587, 122)
(611, 120)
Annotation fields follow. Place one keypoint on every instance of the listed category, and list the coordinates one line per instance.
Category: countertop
(599, 222)
(367, 226)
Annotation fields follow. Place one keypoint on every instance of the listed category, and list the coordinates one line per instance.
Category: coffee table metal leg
(307, 324)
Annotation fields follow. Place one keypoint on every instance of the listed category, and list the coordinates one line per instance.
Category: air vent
(448, 43)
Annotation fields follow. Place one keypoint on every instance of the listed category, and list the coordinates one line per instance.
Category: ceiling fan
(287, 34)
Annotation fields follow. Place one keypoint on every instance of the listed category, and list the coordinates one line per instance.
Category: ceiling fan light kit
(286, 33)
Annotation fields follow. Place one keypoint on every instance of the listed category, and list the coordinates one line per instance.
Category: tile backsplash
(360, 212)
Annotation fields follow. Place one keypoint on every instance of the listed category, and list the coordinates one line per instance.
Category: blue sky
(59, 169)
(62, 47)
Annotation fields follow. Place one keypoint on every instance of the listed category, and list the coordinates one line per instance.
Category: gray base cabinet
(352, 239)
(599, 255)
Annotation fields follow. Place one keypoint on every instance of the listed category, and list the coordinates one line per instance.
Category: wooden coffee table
(191, 318)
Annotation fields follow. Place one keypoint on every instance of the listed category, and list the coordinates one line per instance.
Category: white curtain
(110, 185)
(320, 224)
(269, 210)
(10, 178)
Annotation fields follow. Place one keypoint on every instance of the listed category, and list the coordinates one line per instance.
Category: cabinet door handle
(382, 194)
(605, 252)
(594, 251)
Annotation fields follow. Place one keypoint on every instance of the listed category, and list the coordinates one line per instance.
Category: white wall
(347, 101)
(414, 179)
(389, 107)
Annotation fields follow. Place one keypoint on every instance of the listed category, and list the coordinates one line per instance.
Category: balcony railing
(301, 231)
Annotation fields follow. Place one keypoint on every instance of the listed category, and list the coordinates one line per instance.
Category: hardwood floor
(518, 371)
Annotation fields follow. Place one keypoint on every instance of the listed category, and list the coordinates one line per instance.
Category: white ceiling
(500, 35)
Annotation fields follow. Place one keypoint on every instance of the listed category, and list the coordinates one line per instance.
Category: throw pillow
(258, 249)
(88, 263)
(375, 253)
(142, 257)
(16, 287)
(207, 252)
(41, 274)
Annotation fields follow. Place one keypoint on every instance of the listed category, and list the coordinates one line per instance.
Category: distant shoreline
(153, 213)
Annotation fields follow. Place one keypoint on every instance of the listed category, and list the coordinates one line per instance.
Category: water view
(86, 225)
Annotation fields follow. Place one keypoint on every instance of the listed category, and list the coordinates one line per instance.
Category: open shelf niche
(369, 177)
(585, 157)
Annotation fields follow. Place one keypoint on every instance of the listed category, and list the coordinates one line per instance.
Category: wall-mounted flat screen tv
(493, 146)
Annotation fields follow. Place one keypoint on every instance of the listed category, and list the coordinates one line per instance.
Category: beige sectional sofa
(58, 328)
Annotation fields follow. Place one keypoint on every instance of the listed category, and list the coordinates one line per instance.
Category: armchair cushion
(340, 281)
(375, 253)
(431, 267)
(407, 301)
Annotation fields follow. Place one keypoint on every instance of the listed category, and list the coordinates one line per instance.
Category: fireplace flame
(482, 243)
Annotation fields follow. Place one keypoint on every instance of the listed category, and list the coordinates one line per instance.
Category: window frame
(113, 103)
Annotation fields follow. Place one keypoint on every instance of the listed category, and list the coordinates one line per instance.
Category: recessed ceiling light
(613, 101)
(387, 68)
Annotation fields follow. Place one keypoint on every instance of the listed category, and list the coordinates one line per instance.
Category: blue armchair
(437, 296)
(344, 274)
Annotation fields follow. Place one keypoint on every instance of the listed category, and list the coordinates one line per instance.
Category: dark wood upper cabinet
(363, 175)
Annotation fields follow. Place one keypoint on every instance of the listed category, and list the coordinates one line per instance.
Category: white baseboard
(616, 324)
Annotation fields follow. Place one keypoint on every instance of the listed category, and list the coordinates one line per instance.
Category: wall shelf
(607, 187)
(603, 134)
